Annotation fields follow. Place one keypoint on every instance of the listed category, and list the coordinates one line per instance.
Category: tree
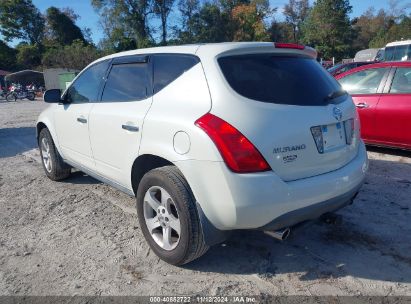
(128, 17)
(328, 28)
(211, 24)
(20, 19)
(189, 10)
(61, 27)
(280, 32)
(162, 9)
(368, 26)
(296, 12)
(28, 56)
(249, 20)
(75, 56)
(395, 32)
(7, 57)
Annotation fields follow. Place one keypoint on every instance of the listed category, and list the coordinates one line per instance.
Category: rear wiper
(335, 94)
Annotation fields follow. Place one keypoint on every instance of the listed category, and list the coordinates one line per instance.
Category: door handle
(130, 128)
(362, 105)
(81, 120)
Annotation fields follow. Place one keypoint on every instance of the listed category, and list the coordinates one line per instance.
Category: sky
(89, 18)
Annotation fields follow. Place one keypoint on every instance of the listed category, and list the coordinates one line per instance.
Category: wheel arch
(143, 164)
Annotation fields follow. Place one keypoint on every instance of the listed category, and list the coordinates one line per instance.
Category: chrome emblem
(337, 113)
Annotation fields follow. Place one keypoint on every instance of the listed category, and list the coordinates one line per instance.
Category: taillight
(238, 152)
(317, 133)
(289, 46)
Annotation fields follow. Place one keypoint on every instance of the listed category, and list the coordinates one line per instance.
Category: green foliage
(328, 28)
(162, 8)
(28, 56)
(395, 32)
(125, 19)
(20, 19)
(296, 12)
(75, 56)
(189, 11)
(61, 27)
(7, 57)
(249, 21)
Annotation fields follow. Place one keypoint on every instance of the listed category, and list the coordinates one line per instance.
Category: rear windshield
(279, 79)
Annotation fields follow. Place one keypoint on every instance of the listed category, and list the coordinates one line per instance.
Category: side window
(127, 82)
(363, 82)
(169, 67)
(85, 87)
(402, 81)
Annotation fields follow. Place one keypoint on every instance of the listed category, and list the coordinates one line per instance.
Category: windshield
(279, 79)
(334, 68)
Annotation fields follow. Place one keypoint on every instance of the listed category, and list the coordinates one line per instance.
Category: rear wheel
(31, 96)
(53, 164)
(168, 216)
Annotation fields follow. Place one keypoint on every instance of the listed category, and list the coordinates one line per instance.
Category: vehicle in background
(17, 91)
(398, 51)
(370, 55)
(344, 67)
(382, 95)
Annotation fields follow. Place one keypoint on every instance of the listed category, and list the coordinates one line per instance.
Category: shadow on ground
(15, 141)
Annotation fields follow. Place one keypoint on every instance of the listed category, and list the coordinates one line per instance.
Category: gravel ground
(80, 237)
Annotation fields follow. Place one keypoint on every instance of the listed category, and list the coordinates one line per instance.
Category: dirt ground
(80, 237)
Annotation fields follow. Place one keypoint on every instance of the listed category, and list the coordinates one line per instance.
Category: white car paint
(229, 200)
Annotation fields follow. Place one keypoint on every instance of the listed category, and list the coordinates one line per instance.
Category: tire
(56, 169)
(190, 244)
(31, 96)
(11, 97)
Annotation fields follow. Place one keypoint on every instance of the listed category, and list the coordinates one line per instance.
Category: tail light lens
(238, 152)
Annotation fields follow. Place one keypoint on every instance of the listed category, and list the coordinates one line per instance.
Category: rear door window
(363, 82)
(401, 83)
(279, 79)
(127, 82)
(168, 67)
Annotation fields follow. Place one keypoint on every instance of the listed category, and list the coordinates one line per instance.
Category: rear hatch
(291, 109)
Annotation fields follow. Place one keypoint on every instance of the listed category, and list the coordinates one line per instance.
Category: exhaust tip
(281, 235)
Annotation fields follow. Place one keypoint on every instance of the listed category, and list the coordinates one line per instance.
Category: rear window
(279, 79)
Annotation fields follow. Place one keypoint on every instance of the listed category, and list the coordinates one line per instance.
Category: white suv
(209, 138)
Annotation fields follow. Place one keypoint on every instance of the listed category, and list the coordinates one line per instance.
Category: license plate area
(333, 136)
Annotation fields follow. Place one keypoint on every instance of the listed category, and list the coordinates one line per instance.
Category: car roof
(212, 49)
(376, 65)
(396, 43)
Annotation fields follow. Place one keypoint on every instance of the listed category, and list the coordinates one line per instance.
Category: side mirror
(52, 96)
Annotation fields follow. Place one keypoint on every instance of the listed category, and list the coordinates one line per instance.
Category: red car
(382, 94)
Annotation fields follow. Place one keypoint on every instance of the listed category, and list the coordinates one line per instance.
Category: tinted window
(127, 82)
(279, 79)
(402, 81)
(85, 88)
(167, 68)
(363, 82)
(398, 53)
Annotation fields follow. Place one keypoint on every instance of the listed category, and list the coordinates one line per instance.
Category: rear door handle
(81, 120)
(130, 128)
(362, 105)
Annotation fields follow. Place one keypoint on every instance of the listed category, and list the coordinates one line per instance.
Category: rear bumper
(311, 212)
(263, 201)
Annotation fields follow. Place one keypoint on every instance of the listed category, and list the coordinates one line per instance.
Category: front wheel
(11, 97)
(53, 164)
(168, 216)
